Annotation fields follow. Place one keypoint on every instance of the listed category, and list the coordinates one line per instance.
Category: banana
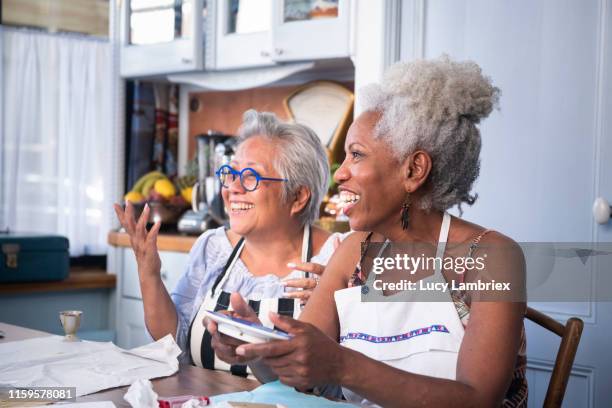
(149, 183)
(142, 180)
(186, 181)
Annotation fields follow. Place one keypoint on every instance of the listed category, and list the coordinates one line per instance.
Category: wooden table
(188, 380)
(14, 333)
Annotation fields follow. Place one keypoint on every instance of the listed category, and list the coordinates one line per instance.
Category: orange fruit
(134, 197)
(186, 193)
(165, 188)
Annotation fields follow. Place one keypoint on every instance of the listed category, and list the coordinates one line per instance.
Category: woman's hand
(225, 346)
(306, 285)
(309, 359)
(143, 243)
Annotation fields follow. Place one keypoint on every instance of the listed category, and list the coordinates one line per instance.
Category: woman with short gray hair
(301, 158)
(401, 337)
(271, 255)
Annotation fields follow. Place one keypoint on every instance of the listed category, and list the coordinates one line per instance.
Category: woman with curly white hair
(412, 155)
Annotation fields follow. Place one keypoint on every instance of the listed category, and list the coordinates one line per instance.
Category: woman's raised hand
(143, 242)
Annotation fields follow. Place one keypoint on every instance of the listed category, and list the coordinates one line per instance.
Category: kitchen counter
(37, 304)
(182, 243)
(79, 278)
(165, 242)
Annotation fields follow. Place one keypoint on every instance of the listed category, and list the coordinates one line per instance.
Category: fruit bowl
(166, 201)
(167, 213)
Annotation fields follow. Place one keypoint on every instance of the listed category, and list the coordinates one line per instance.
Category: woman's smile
(240, 207)
(348, 200)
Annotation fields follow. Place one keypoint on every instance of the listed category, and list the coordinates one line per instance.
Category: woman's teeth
(240, 206)
(348, 198)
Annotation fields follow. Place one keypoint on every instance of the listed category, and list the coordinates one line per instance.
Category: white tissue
(88, 366)
(92, 404)
(194, 403)
(141, 395)
(164, 350)
(234, 404)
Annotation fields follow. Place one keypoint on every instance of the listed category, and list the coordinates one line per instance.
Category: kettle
(214, 150)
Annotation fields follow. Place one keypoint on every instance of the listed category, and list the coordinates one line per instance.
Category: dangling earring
(405, 216)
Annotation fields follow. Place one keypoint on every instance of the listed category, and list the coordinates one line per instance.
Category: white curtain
(58, 168)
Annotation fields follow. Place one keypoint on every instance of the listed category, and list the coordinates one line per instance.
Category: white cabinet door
(161, 36)
(244, 35)
(131, 331)
(173, 266)
(547, 153)
(304, 31)
(130, 283)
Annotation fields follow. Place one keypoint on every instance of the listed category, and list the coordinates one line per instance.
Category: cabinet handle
(264, 54)
(186, 60)
(601, 210)
(164, 275)
(279, 51)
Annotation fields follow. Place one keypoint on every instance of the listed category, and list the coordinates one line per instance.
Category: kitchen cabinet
(244, 34)
(259, 33)
(131, 329)
(310, 29)
(173, 266)
(36, 304)
(162, 36)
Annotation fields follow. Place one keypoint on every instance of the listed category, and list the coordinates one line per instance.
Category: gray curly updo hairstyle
(300, 157)
(435, 106)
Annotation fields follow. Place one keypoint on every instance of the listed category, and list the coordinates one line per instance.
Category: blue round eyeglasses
(249, 178)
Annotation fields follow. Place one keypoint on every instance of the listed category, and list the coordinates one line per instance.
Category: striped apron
(199, 340)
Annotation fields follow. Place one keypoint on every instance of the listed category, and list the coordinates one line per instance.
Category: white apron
(419, 337)
(199, 340)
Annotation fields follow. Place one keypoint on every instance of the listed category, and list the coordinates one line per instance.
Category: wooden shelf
(78, 279)
(165, 242)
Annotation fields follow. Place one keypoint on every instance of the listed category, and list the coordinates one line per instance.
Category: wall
(546, 153)
(2, 224)
(81, 16)
(222, 110)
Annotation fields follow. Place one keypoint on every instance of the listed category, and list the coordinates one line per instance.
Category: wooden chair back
(570, 338)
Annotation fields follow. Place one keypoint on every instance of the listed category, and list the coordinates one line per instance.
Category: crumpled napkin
(141, 395)
(88, 366)
(194, 403)
(164, 350)
(226, 404)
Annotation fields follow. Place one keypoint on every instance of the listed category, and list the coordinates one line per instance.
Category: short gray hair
(301, 158)
(436, 106)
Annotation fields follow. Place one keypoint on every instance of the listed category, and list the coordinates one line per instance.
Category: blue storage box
(33, 257)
